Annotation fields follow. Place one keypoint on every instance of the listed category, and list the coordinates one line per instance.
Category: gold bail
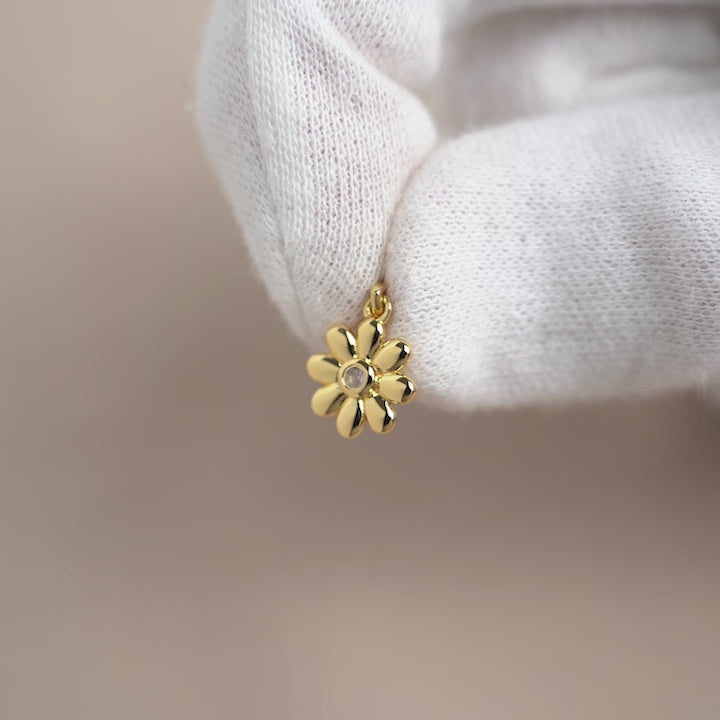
(378, 305)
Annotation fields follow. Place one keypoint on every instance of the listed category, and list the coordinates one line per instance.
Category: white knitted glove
(539, 188)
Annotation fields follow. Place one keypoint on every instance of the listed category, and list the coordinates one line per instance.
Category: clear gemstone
(354, 377)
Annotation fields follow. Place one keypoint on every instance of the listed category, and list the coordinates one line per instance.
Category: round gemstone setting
(355, 377)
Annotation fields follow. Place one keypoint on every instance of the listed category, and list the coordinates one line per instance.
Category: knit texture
(539, 188)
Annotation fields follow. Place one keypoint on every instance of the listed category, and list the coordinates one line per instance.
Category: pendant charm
(361, 377)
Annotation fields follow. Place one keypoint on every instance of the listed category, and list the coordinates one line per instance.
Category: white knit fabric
(539, 187)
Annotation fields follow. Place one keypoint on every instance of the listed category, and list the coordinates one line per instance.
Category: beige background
(179, 538)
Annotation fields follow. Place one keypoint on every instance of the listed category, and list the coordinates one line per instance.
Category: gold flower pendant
(361, 375)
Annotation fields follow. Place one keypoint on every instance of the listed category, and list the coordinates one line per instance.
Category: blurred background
(180, 538)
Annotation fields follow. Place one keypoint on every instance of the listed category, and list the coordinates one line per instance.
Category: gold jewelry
(361, 377)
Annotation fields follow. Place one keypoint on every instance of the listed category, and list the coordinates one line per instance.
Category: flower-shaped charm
(361, 375)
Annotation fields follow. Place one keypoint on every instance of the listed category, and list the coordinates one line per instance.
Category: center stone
(355, 377)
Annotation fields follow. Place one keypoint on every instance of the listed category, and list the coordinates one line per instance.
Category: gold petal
(341, 343)
(392, 355)
(327, 400)
(323, 368)
(369, 337)
(350, 419)
(396, 388)
(379, 414)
